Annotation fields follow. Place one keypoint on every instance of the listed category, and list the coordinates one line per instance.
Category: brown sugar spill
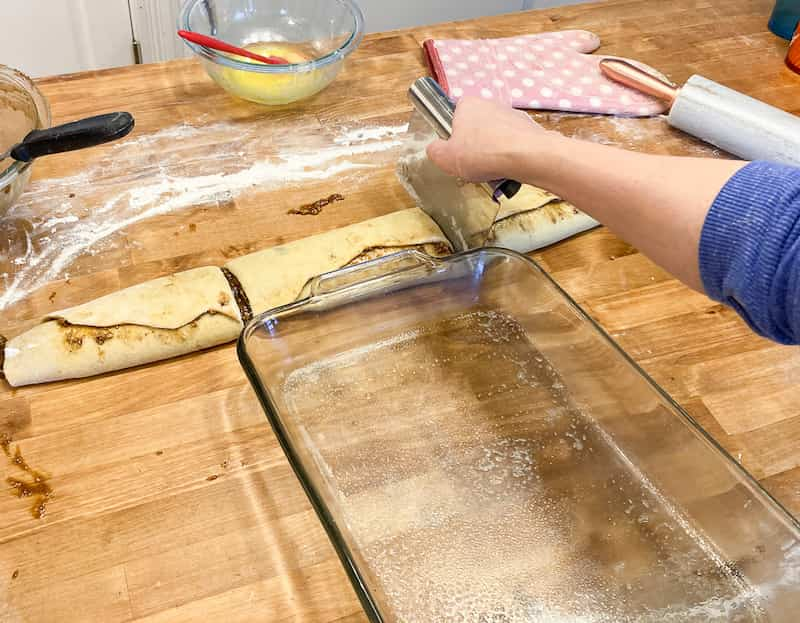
(35, 487)
(315, 207)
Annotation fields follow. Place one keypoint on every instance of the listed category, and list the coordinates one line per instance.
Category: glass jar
(784, 18)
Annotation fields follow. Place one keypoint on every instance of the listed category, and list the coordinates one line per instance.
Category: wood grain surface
(171, 498)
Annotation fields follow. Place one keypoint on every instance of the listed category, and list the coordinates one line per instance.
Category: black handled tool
(71, 136)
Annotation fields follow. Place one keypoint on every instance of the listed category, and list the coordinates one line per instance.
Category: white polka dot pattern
(551, 71)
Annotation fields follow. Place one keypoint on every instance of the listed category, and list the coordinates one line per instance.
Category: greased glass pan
(479, 450)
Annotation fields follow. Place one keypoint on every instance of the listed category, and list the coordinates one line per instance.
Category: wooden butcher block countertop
(172, 500)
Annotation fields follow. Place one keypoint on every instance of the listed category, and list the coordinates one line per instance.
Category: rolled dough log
(197, 309)
(277, 276)
(155, 320)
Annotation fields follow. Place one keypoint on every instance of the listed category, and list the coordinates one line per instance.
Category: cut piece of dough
(53, 351)
(155, 320)
(278, 275)
(535, 218)
(528, 198)
(532, 219)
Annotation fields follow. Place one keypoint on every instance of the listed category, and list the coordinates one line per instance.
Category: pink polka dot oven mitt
(547, 71)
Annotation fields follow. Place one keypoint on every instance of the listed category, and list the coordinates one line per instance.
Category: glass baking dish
(479, 450)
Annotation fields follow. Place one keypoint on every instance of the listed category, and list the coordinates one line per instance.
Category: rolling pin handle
(634, 77)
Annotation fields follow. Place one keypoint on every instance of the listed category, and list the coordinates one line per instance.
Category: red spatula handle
(216, 44)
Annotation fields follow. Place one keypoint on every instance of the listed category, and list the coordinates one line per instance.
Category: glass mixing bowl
(22, 108)
(315, 36)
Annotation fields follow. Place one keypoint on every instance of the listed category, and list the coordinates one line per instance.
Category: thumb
(439, 152)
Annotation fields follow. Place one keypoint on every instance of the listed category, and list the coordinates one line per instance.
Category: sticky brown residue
(73, 339)
(76, 334)
(559, 210)
(239, 295)
(315, 207)
(52, 296)
(34, 485)
(223, 299)
(192, 227)
(235, 250)
(103, 336)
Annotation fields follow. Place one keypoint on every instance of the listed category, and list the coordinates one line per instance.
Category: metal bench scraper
(466, 222)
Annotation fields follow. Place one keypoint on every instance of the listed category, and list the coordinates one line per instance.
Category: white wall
(46, 37)
(390, 14)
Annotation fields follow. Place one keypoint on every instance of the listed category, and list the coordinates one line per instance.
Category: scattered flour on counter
(163, 173)
(627, 132)
(369, 134)
(180, 131)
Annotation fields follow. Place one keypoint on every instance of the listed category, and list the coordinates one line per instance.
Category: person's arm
(725, 227)
(656, 203)
(750, 249)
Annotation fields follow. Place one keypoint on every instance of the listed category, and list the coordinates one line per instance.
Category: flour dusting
(61, 219)
(633, 133)
(369, 134)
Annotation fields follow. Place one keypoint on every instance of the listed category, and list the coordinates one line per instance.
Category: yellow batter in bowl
(298, 81)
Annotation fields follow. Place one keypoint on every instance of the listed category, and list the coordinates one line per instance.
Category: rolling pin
(741, 125)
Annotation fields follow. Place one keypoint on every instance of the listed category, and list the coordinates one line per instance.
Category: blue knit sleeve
(750, 249)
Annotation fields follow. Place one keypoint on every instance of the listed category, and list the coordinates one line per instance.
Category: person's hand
(488, 141)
